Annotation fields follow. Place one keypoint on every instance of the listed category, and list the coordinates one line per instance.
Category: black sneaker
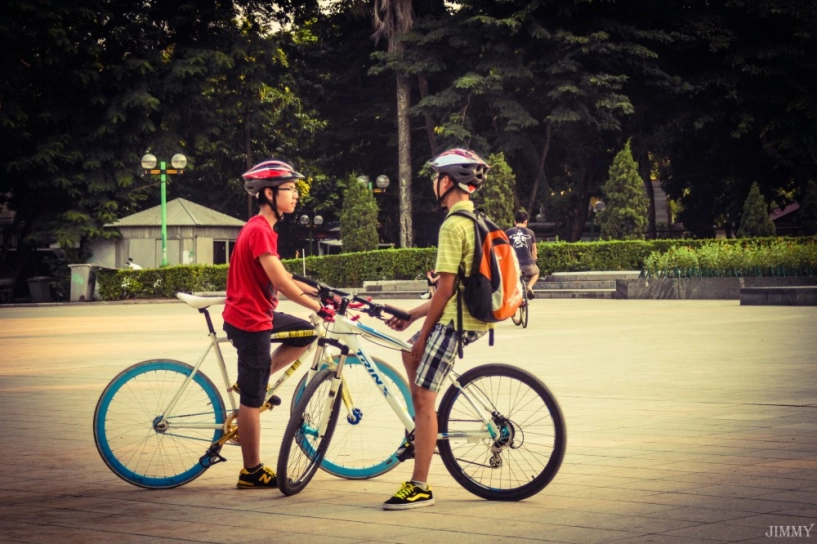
(409, 496)
(531, 294)
(263, 477)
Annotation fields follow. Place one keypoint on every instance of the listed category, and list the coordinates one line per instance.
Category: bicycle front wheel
(142, 444)
(529, 445)
(303, 447)
(368, 433)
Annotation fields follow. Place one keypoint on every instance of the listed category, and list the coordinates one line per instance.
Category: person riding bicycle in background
(524, 242)
(431, 280)
(254, 279)
(459, 173)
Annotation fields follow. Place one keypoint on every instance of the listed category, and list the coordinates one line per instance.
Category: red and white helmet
(270, 173)
(465, 168)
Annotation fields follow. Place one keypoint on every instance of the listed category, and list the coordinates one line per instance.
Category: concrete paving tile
(727, 490)
(801, 496)
(32, 533)
(666, 539)
(450, 537)
(768, 520)
(581, 535)
(616, 493)
(717, 531)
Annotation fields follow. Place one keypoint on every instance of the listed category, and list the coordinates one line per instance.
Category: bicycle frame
(213, 341)
(350, 330)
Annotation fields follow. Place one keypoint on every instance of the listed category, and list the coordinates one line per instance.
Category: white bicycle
(501, 431)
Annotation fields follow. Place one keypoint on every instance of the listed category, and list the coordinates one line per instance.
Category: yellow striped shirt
(456, 246)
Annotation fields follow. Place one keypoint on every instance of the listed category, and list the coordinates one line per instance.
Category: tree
(358, 219)
(808, 210)
(625, 216)
(755, 219)
(496, 196)
(393, 18)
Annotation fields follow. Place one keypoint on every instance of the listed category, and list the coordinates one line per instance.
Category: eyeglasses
(293, 189)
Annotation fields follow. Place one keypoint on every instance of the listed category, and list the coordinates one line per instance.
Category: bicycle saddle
(200, 303)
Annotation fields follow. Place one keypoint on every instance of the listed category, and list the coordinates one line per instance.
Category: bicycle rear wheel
(521, 315)
(303, 448)
(365, 441)
(136, 439)
(531, 441)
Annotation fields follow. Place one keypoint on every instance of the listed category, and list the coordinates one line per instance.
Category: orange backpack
(492, 291)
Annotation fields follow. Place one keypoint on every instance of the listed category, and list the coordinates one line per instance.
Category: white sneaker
(425, 295)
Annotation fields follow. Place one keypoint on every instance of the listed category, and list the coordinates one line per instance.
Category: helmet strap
(442, 196)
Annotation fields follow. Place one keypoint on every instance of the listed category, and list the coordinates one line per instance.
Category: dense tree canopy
(713, 95)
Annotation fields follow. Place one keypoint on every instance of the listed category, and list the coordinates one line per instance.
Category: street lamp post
(317, 221)
(381, 182)
(178, 162)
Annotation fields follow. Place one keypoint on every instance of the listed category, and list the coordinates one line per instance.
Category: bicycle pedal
(405, 452)
(212, 457)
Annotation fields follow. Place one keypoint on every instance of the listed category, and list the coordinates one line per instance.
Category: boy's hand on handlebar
(398, 324)
(327, 313)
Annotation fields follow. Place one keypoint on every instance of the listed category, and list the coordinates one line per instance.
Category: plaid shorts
(438, 359)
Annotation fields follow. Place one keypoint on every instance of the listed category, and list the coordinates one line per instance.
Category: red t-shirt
(251, 297)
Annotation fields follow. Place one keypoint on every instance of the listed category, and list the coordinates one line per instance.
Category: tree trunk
(644, 171)
(248, 151)
(404, 161)
(429, 121)
(540, 170)
(581, 200)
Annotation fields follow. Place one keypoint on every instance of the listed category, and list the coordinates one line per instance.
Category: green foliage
(755, 221)
(496, 196)
(124, 284)
(345, 270)
(766, 256)
(358, 219)
(625, 216)
(808, 210)
(742, 259)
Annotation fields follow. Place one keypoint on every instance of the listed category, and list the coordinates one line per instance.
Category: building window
(222, 251)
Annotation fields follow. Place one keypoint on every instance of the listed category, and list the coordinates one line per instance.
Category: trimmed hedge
(352, 269)
(779, 258)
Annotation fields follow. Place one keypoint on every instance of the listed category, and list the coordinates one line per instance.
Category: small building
(195, 235)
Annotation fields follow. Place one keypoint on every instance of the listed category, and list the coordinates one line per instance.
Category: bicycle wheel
(302, 449)
(138, 443)
(521, 315)
(530, 447)
(365, 441)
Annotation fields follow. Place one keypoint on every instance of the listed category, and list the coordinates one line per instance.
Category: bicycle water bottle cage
(212, 456)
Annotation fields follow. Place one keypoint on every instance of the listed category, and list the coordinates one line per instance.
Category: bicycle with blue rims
(162, 423)
(502, 435)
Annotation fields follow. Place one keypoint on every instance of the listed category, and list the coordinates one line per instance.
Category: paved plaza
(688, 421)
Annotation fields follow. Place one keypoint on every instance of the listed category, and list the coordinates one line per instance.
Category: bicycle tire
(301, 449)
(126, 413)
(364, 444)
(533, 435)
(520, 317)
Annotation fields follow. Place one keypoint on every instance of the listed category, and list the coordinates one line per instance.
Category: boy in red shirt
(254, 279)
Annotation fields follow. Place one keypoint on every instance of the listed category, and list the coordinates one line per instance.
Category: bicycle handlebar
(374, 309)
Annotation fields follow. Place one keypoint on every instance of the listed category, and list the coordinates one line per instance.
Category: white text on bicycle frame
(373, 372)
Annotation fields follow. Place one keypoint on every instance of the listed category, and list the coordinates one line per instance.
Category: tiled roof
(180, 213)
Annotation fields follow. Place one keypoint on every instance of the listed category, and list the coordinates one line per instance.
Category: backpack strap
(461, 277)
